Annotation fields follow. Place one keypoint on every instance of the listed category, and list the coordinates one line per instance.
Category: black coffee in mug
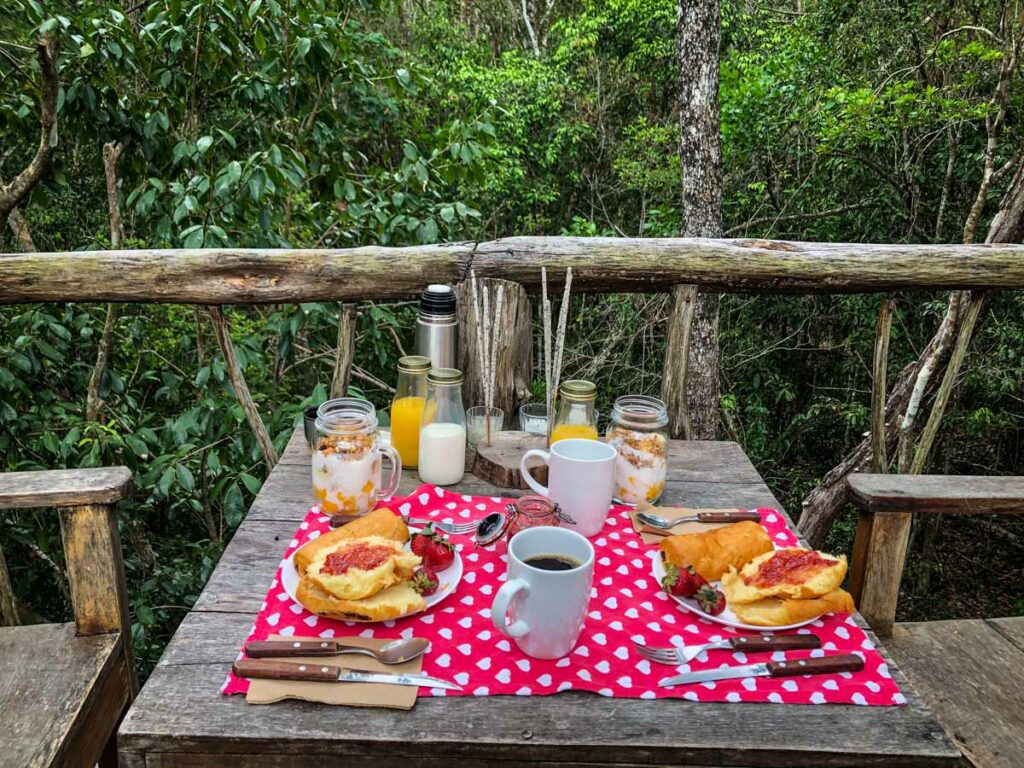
(553, 562)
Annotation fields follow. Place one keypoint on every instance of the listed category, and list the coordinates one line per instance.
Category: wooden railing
(255, 276)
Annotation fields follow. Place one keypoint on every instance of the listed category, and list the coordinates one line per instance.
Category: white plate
(448, 580)
(726, 617)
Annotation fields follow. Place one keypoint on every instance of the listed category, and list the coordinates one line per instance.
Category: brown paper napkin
(346, 694)
(652, 535)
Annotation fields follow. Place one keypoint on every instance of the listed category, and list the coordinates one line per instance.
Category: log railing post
(345, 352)
(676, 372)
(514, 340)
(99, 596)
(879, 555)
(92, 542)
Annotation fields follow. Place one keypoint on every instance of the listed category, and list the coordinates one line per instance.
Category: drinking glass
(533, 418)
(476, 423)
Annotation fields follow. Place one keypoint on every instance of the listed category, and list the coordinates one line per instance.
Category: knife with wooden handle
(326, 673)
(824, 665)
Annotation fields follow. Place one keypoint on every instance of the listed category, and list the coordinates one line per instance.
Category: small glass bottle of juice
(407, 407)
(443, 432)
(575, 417)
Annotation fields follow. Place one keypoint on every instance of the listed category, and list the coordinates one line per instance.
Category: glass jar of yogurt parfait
(639, 433)
(347, 458)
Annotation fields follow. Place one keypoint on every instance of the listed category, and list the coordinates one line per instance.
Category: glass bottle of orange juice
(575, 417)
(407, 407)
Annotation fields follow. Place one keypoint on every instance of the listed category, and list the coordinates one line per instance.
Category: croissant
(712, 553)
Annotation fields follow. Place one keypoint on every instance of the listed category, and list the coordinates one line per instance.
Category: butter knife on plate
(327, 673)
(823, 665)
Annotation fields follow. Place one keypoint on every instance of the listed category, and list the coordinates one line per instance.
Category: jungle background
(308, 123)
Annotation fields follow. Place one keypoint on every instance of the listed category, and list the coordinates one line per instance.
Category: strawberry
(711, 600)
(439, 553)
(419, 541)
(424, 581)
(682, 582)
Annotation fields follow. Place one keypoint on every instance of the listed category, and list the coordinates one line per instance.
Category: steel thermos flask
(437, 327)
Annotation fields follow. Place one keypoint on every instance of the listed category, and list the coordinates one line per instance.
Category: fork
(677, 655)
(455, 529)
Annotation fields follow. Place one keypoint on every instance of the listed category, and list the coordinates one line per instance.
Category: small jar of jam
(530, 512)
(525, 512)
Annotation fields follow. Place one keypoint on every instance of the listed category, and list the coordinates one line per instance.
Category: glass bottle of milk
(442, 459)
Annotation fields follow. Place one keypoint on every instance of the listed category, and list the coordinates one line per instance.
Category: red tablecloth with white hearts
(626, 606)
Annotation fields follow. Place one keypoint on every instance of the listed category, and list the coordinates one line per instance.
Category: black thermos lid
(437, 300)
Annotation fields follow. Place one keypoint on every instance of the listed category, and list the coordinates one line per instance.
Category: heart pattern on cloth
(626, 607)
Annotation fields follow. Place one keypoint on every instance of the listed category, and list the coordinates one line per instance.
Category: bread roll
(712, 553)
(389, 603)
(788, 573)
(777, 612)
(381, 522)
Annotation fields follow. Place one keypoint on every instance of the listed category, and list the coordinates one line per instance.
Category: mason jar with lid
(347, 458)
(575, 416)
(639, 433)
(407, 407)
(442, 459)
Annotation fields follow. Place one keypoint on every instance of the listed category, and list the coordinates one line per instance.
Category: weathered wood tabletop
(181, 719)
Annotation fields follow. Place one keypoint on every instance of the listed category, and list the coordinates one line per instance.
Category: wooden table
(181, 719)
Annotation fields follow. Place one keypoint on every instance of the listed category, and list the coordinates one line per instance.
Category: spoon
(657, 521)
(393, 652)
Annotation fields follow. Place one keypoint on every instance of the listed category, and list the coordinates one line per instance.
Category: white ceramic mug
(581, 479)
(547, 608)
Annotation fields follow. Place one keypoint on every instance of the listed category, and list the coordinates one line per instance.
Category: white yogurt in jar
(442, 459)
(346, 476)
(640, 466)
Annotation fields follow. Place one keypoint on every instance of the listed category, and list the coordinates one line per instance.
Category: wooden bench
(969, 672)
(65, 687)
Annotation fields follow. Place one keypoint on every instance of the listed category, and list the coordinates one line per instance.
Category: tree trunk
(22, 235)
(93, 401)
(14, 192)
(111, 154)
(823, 504)
(8, 607)
(19, 227)
(252, 413)
(514, 342)
(697, 39)
(880, 363)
